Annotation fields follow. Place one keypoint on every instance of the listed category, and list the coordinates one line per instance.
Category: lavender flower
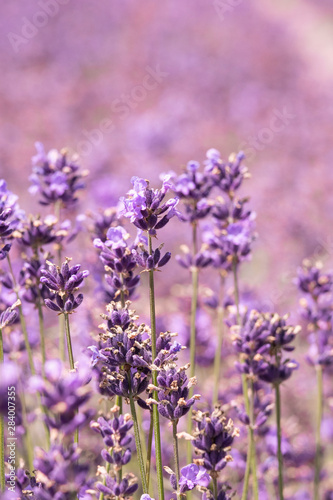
(59, 473)
(191, 476)
(226, 175)
(64, 281)
(55, 178)
(62, 394)
(120, 262)
(213, 438)
(116, 437)
(193, 188)
(173, 391)
(124, 489)
(144, 206)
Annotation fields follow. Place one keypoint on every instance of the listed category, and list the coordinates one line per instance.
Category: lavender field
(166, 270)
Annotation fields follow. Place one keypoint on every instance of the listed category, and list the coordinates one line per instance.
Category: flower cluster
(146, 208)
(10, 217)
(55, 178)
(119, 261)
(173, 391)
(193, 188)
(63, 394)
(317, 311)
(213, 437)
(64, 282)
(117, 439)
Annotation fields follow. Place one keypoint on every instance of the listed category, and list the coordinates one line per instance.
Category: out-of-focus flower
(55, 178)
(62, 394)
(226, 175)
(59, 473)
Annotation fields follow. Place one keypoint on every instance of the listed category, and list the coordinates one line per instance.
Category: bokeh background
(226, 69)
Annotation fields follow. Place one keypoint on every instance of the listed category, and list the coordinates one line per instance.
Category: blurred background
(143, 87)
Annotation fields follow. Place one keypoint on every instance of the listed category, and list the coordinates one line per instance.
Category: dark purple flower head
(64, 282)
(116, 437)
(62, 394)
(226, 175)
(193, 475)
(36, 233)
(9, 316)
(120, 262)
(214, 435)
(146, 208)
(112, 489)
(148, 261)
(59, 473)
(10, 218)
(123, 340)
(29, 279)
(55, 178)
(173, 391)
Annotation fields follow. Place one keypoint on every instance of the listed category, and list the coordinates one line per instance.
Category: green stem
(156, 419)
(245, 387)
(119, 403)
(149, 448)
(69, 342)
(247, 470)
(278, 427)
(194, 307)
(71, 360)
(22, 320)
(2, 432)
(234, 270)
(138, 445)
(42, 333)
(318, 457)
(253, 446)
(215, 487)
(217, 360)
(176, 455)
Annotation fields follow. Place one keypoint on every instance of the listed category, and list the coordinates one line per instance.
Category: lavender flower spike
(144, 206)
(64, 281)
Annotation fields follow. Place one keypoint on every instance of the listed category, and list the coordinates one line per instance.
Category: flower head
(146, 208)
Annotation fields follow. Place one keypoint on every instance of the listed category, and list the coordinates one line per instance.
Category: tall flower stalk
(148, 211)
(317, 286)
(156, 418)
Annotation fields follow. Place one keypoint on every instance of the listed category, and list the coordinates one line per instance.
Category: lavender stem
(217, 359)
(149, 448)
(156, 421)
(138, 445)
(278, 427)
(22, 320)
(318, 429)
(250, 453)
(194, 306)
(71, 360)
(176, 455)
